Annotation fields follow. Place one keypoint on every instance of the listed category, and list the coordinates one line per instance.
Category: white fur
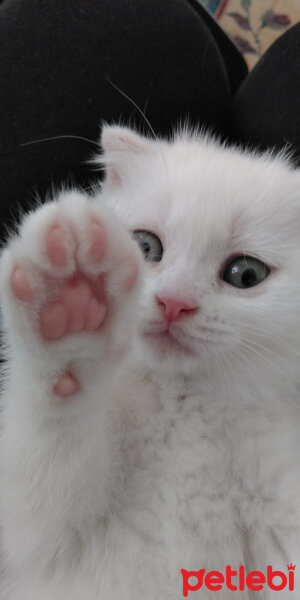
(165, 460)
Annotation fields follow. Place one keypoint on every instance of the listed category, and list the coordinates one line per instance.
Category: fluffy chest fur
(201, 475)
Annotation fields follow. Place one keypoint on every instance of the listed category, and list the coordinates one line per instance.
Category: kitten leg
(69, 286)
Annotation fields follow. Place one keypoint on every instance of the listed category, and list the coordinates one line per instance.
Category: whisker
(135, 105)
(59, 137)
(257, 351)
(260, 333)
(145, 119)
(249, 346)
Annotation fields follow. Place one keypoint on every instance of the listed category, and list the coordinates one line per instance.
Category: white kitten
(151, 409)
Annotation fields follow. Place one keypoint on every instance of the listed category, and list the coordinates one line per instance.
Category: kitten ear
(115, 138)
(121, 146)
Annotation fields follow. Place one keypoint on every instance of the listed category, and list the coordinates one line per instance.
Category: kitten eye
(245, 272)
(149, 244)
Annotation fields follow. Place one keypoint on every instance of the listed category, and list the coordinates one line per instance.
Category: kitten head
(220, 232)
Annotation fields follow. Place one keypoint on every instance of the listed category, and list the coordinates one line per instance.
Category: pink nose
(175, 309)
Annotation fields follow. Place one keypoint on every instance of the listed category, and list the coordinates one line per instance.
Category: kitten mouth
(165, 341)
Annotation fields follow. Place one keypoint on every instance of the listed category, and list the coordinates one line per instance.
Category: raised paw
(80, 304)
(72, 269)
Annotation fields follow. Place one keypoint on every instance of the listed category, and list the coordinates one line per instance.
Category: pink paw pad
(54, 321)
(55, 247)
(21, 286)
(76, 309)
(67, 385)
(95, 313)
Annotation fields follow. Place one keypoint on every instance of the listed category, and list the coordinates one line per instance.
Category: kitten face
(209, 205)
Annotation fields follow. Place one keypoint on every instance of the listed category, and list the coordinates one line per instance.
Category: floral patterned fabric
(254, 25)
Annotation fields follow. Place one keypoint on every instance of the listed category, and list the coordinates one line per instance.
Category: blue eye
(245, 272)
(149, 244)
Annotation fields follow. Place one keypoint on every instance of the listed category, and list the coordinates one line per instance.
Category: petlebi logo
(238, 580)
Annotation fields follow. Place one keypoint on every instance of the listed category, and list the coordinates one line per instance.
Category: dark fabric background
(57, 60)
(59, 56)
(266, 110)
